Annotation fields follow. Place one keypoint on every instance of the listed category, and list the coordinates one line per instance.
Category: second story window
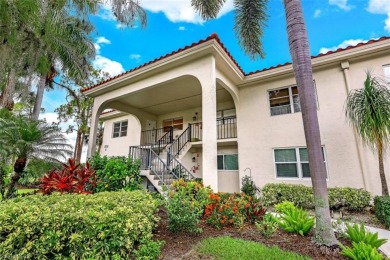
(284, 101)
(120, 129)
(176, 123)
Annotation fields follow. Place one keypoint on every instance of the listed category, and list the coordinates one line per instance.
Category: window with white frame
(293, 162)
(386, 72)
(284, 101)
(120, 129)
(228, 162)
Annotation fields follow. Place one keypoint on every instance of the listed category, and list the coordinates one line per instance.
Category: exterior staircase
(160, 162)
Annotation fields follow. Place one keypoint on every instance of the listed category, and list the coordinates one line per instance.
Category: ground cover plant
(107, 225)
(365, 244)
(116, 173)
(231, 248)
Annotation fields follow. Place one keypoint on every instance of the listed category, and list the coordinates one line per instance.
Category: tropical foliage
(250, 17)
(25, 139)
(73, 178)
(368, 111)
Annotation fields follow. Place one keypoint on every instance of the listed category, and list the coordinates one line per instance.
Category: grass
(230, 248)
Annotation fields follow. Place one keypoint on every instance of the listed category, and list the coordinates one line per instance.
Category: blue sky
(172, 24)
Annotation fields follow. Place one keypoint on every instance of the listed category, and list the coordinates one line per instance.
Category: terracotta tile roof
(323, 54)
(214, 36)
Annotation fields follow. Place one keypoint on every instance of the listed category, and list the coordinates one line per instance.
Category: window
(228, 162)
(120, 129)
(176, 123)
(386, 72)
(226, 116)
(284, 101)
(293, 162)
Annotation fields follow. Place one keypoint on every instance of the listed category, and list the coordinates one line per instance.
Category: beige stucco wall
(259, 132)
(119, 146)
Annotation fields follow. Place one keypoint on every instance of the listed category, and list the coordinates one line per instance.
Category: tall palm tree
(368, 111)
(66, 43)
(25, 139)
(250, 18)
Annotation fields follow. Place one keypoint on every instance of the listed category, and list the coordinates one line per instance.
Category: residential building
(195, 112)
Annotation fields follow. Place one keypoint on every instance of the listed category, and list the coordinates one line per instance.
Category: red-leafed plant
(73, 178)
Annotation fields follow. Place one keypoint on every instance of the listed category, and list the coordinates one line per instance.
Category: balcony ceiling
(181, 94)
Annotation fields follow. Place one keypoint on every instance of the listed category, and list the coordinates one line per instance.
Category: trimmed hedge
(101, 226)
(382, 209)
(302, 196)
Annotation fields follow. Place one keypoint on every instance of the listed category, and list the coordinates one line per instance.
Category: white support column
(209, 126)
(96, 111)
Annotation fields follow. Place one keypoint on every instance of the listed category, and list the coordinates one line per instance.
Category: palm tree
(26, 139)
(250, 17)
(368, 111)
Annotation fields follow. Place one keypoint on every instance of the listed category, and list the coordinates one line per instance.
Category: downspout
(345, 68)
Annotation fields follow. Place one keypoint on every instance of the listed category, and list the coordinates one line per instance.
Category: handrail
(151, 137)
(178, 168)
(164, 141)
(179, 143)
(227, 127)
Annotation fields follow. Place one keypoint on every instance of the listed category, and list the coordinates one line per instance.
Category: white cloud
(180, 10)
(317, 13)
(99, 42)
(344, 44)
(182, 28)
(110, 66)
(135, 56)
(342, 4)
(103, 39)
(380, 7)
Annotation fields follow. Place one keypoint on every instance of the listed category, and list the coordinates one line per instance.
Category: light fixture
(195, 117)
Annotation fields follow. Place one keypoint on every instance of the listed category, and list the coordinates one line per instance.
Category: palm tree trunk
(8, 93)
(39, 97)
(300, 53)
(385, 189)
(2, 175)
(78, 147)
(19, 166)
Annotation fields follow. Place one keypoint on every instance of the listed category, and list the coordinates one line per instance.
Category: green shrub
(116, 173)
(361, 251)
(185, 205)
(183, 215)
(302, 196)
(149, 250)
(268, 226)
(296, 220)
(382, 209)
(359, 234)
(100, 226)
(248, 186)
(284, 207)
(350, 198)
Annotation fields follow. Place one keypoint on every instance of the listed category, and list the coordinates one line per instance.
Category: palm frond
(250, 20)
(128, 12)
(368, 111)
(207, 9)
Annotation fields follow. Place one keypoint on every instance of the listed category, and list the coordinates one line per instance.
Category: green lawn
(230, 248)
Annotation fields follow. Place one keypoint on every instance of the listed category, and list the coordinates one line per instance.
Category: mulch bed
(180, 245)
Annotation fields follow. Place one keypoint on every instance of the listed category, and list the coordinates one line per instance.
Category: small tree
(368, 111)
(26, 139)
